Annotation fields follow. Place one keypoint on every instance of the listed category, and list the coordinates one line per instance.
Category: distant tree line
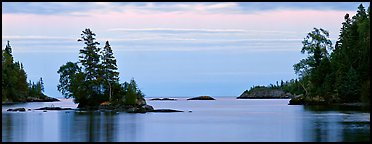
(94, 79)
(14, 80)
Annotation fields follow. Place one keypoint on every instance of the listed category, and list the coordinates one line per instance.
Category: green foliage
(35, 90)
(68, 72)
(89, 56)
(109, 73)
(344, 75)
(348, 89)
(97, 79)
(14, 80)
(131, 92)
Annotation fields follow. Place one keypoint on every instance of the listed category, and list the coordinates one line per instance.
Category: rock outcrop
(163, 99)
(139, 107)
(53, 108)
(298, 100)
(17, 109)
(265, 93)
(201, 98)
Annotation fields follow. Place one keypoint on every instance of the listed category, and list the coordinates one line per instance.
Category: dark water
(225, 119)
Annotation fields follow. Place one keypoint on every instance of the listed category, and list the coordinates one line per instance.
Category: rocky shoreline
(139, 107)
(302, 100)
(265, 93)
(128, 109)
(31, 99)
(263, 97)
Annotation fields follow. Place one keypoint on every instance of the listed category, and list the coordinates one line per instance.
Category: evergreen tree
(97, 80)
(351, 59)
(89, 56)
(41, 84)
(132, 93)
(109, 69)
(344, 75)
(8, 49)
(90, 59)
(22, 83)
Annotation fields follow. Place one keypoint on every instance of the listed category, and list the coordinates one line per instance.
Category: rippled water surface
(224, 119)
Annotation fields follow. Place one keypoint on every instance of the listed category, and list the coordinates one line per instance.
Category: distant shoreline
(263, 98)
(48, 99)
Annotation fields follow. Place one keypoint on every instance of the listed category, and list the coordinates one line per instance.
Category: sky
(172, 49)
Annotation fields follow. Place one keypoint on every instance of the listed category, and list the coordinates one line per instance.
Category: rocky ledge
(298, 100)
(143, 108)
(53, 108)
(201, 98)
(265, 93)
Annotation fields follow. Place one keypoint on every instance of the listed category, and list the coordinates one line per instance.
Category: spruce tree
(90, 59)
(109, 69)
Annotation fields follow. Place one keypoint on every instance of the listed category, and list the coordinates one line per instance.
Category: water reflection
(336, 124)
(7, 125)
(89, 126)
(128, 127)
(229, 120)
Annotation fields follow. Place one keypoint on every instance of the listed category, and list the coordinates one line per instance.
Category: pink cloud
(285, 20)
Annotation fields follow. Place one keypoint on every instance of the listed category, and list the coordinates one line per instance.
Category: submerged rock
(201, 98)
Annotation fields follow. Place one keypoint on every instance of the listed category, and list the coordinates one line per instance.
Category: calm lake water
(225, 119)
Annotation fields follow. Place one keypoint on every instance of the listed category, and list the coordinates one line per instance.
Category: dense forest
(338, 74)
(94, 79)
(14, 84)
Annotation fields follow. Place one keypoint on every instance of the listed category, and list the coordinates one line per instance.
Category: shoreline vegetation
(338, 75)
(45, 99)
(15, 88)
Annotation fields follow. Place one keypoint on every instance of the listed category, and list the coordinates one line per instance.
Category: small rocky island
(264, 93)
(201, 98)
(163, 99)
(140, 106)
